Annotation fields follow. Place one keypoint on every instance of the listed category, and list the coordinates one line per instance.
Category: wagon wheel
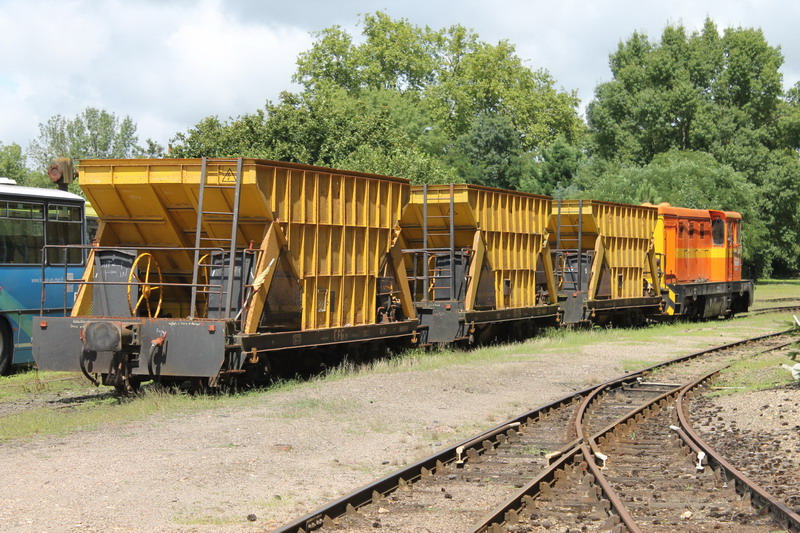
(148, 264)
(201, 305)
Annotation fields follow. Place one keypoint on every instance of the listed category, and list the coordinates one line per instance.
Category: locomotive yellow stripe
(710, 253)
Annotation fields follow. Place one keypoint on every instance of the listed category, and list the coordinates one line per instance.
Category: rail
(582, 454)
(373, 492)
(779, 511)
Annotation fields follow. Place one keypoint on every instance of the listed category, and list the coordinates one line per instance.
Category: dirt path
(282, 456)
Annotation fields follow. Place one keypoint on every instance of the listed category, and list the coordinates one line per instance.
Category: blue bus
(30, 218)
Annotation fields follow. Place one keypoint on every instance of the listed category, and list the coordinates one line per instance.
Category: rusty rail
(778, 309)
(779, 511)
(507, 511)
(391, 482)
(387, 484)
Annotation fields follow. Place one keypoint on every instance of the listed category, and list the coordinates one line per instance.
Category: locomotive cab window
(718, 231)
(733, 232)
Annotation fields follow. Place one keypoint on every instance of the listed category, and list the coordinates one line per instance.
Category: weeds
(533, 450)
(66, 403)
(753, 374)
(32, 382)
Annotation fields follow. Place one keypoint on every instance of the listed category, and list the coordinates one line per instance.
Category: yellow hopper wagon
(477, 262)
(211, 269)
(603, 254)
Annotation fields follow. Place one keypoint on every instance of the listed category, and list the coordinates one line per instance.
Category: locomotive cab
(700, 262)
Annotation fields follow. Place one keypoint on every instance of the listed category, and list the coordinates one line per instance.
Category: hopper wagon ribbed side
(208, 269)
(603, 253)
(477, 263)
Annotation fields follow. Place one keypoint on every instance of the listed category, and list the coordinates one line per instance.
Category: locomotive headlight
(110, 336)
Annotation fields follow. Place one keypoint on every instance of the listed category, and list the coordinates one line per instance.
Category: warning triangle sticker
(228, 176)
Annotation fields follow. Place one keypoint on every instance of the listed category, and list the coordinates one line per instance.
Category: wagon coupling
(156, 345)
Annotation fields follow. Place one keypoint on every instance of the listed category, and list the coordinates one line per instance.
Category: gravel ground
(282, 456)
(759, 433)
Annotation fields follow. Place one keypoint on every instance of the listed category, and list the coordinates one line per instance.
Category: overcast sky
(167, 64)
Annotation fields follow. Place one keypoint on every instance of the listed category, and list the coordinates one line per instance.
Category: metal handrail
(195, 286)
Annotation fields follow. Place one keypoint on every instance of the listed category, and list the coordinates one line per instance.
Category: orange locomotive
(699, 254)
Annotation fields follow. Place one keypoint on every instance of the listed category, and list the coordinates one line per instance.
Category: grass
(101, 407)
(533, 450)
(104, 409)
(772, 289)
(68, 403)
(24, 384)
(754, 374)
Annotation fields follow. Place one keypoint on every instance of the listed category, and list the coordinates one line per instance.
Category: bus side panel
(22, 352)
(20, 300)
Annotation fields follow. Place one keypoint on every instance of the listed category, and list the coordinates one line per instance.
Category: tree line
(698, 119)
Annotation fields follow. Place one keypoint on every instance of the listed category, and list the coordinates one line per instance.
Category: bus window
(64, 226)
(21, 233)
(29, 218)
(718, 231)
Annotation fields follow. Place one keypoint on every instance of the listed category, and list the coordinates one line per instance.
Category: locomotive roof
(685, 212)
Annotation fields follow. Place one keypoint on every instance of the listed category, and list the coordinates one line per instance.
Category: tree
(683, 178)
(395, 56)
(151, 150)
(491, 153)
(778, 196)
(698, 92)
(94, 133)
(557, 166)
(704, 92)
(13, 165)
(375, 131)
(406, 99)
(246, 136)
(453, 74)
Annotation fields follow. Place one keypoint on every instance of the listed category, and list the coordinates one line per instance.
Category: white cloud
(165, 65)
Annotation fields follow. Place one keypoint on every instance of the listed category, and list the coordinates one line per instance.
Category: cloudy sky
(167, 64)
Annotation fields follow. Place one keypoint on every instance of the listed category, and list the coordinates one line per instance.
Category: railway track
(546, 467)
(776, 309)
